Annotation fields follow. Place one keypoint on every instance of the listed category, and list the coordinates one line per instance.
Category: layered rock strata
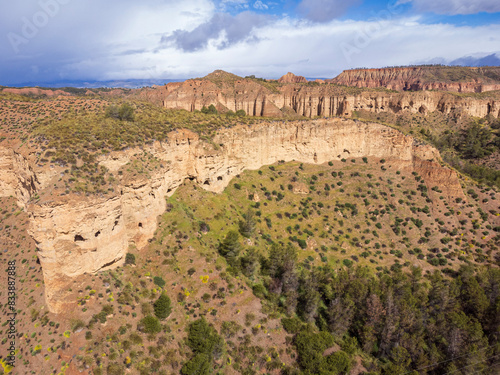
(456, 79)
(77, 235)
(313, 101)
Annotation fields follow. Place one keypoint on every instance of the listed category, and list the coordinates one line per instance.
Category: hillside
(358, 220)
(154, 240)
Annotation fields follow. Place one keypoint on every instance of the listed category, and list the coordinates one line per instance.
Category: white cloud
(260, 5)
(122, 40)
(454, 7)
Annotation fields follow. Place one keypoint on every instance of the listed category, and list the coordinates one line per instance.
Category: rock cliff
(77, 234)
(17, 178)
(443, 78)
(324, 100)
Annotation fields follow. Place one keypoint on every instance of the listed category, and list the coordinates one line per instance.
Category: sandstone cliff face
(17, 179)
(292, 78)
(456, 79)
(77, 235)
(313, 101)
(247, 95)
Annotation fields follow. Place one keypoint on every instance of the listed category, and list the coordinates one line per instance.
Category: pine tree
(230, 248)
(247, 226)
(162, 306)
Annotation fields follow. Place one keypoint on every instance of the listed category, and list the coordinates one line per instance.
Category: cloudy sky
(43, 41)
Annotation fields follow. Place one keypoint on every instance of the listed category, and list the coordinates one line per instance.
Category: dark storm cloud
(237, 28)
(324, 10)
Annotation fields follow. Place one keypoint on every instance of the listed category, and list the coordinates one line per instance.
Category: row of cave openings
(80, 238)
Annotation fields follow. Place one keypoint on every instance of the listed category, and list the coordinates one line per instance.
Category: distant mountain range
(125, 83)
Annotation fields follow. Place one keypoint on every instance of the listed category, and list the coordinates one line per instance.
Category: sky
(49, 41)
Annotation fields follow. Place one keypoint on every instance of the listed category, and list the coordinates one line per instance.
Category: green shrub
(124, 113)
(149, 324)
(230, 248)
(347, 262)
(338, 363)
(76, 324)
(159, 281)
(162, 306)
(259, 291)
(200, 364)
(310, 347)
(292, 325)
(115, 369)
(203, 338)
(130, 258)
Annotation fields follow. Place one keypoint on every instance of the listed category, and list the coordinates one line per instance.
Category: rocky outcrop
(442, 78)
(243, 94)
(292, 78)
(77, 234)
(17, 178)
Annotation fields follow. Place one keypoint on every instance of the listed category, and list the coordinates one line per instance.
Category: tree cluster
(207, 345)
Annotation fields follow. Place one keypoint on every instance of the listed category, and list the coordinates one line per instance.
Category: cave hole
(140, 225)
(97, 233)
(219, 178)
(79, 238)
(207, 182)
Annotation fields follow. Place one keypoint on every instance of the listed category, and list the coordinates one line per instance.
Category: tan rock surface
(292, 78)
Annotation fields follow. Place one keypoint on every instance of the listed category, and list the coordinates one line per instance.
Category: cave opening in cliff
(97, 233)
(140, 225)
(79, 238)
(219, 178)
(207, 182)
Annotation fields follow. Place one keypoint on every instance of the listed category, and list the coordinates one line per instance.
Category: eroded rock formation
(324, 100)
(443, 78)
(292, 78)
(77, 234)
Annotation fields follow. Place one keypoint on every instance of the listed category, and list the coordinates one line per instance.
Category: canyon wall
(77, 234)
(316, 100)
(456, 79)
